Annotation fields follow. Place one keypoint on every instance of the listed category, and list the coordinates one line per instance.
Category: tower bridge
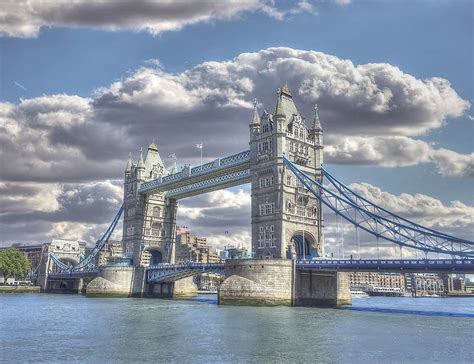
(284, 167)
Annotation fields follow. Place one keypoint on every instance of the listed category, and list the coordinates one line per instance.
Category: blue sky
(424, 39)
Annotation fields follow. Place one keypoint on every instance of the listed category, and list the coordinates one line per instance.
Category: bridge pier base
(112, 282)
(322, 289)
(182, 288)
(270, 282)
(258, 282)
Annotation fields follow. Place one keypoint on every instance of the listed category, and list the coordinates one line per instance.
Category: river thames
(73, 328)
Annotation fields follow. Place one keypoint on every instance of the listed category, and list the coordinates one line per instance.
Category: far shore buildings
(191, 248)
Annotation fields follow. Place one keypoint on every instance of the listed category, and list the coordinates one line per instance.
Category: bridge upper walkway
(220, 173)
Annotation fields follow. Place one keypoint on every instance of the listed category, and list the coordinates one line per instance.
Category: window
(131, 211)
(265, 181)
(288, 180)
(266, 237)
(156, 211)
(267, 209)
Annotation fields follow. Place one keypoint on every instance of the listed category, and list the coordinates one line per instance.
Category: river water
(72, 328)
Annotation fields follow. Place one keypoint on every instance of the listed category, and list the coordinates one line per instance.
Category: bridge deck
(390, 265)
(221, 173)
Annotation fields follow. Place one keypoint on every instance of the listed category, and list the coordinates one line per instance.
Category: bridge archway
(156, 257)
(67, 260)
(304, 242)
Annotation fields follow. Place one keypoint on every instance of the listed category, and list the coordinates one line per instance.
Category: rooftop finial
(129, 163)
(316, 122)
(140, 159)
(286, 90)
(255, 118)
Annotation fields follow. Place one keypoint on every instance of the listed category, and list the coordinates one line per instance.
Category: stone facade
(252, 282)
(285, 215)
(322, 289)
(149, 219)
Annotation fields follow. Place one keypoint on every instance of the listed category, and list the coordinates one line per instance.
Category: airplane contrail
(20, 85)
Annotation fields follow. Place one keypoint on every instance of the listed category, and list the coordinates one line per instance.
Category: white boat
(359, 294)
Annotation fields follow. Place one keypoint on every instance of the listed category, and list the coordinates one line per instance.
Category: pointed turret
(255, 121)
(153, 159)
(128, 169)
(279, 106)
(316, 121)
(141, 163)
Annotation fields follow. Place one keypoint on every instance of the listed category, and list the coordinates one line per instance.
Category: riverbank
(20, 289)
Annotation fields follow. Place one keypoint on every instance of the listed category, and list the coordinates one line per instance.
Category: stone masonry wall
(257, 282)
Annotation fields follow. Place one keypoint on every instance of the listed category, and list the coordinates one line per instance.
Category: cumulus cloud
(62, 141)
(398, 151)
(70, 138)
(34, 212)
(24, 18)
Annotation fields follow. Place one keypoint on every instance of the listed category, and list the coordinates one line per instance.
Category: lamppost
(199, 146)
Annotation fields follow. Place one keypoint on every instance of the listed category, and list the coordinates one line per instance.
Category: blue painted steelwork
(88, 263)
(208, 184)
(74, 274)
(369, 205)
(389, 265)
(387, 226)
(214, 167)
(172, 272)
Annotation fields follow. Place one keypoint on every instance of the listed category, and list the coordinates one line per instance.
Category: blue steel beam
(217, 168)
(172, 272)
(376, 209)
(389, 265)
(88, 262)
(381, 226)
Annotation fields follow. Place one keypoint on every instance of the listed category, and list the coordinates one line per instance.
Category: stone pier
(270, 282)
(322, 289)
(182, 288)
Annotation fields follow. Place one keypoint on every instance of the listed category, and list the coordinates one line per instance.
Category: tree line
(13, 263)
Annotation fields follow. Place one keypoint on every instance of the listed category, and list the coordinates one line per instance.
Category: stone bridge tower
(286, 218)
(149, 219)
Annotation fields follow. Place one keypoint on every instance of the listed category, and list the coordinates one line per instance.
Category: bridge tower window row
(267, 209)
(264, 182)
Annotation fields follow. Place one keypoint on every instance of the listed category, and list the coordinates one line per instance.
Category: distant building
(366, 280)
(113, 248)
(233, 252)
(32, 252)
(422, 284)
(191, 248)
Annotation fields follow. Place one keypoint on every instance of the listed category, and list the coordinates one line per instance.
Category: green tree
(13, 263)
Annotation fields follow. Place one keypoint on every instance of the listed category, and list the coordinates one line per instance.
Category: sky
(84, 84)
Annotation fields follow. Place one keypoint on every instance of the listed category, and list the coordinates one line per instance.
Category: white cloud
(397, 151)
(73, 140)
(24, 18)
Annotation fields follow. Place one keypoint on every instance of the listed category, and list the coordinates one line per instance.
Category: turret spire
(255, 121)
(279, 106)
(128, 169)
(141, 163)
(316, 122)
